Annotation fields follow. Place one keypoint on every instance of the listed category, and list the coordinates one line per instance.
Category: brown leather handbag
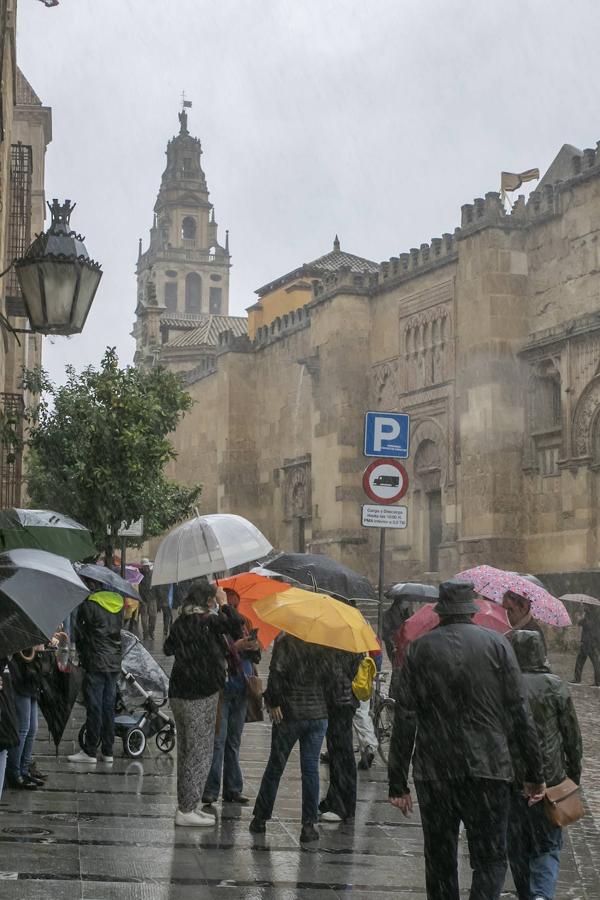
(563, 803)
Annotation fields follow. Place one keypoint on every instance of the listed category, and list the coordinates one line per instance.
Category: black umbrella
(412, 591)
(403, 595)
(59, 687)
(106, 576)
(38, 590)
(323, 574)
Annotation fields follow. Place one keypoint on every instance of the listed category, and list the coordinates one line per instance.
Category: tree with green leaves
(98, 447)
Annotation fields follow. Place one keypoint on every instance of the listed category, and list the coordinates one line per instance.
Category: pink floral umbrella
(494, 583)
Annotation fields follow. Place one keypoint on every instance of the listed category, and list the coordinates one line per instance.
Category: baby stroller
(142, 689)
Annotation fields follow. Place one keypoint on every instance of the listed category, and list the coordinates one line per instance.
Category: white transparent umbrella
(205, 545)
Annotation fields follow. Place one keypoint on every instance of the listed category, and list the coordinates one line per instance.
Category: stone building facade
(489, 337)
(25, 132)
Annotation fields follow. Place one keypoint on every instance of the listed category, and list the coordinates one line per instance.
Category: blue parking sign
(387, 434)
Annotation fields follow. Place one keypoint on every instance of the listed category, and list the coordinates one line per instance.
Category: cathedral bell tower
(183, 276)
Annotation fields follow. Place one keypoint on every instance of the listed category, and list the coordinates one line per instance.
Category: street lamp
(58, 279)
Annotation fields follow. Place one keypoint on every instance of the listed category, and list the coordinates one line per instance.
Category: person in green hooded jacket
(98, 627)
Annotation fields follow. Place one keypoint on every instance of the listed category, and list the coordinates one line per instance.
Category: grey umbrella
(38, 590)
(106, 576)
(411, 590)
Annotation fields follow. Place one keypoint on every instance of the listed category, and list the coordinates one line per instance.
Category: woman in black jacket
(534, 844)
(340, 801)
(197, 640)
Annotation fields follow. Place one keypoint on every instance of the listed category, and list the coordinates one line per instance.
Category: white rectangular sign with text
(384, 516)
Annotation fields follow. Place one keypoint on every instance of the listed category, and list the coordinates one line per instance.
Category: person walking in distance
(197, 641)
(459, 699)
(590, 644)
(534, 844)
(296, 703)
(149, 606)
(98, 625)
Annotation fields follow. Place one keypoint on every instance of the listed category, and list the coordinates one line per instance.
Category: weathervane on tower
(185, 104)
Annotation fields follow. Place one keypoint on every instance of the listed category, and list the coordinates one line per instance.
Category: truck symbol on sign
(390, 480)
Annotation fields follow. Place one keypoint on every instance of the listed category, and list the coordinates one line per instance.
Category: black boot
(257, 826)
(309, 833)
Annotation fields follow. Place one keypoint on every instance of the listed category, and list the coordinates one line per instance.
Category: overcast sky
(375, 119)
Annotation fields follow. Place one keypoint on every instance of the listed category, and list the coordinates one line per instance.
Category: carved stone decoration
(427, 339)
(584, 417)
(297, 490)
(386, 385)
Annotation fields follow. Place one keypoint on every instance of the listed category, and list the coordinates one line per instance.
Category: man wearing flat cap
(461, 707)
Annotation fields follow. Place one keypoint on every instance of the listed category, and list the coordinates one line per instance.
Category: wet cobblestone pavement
(108, 832)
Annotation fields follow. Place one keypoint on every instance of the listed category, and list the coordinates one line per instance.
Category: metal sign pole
(381, 581)
(123, 552)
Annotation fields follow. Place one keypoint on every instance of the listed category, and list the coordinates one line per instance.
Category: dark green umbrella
(43, 529)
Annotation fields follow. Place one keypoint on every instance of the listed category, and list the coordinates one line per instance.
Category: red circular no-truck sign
(385, 481)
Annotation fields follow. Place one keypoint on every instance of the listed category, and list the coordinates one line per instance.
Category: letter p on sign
(387, 434)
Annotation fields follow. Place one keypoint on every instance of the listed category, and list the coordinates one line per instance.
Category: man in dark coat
(150, 597)
(459, 698)
(534, 844)
(98, 627)
(590, 644)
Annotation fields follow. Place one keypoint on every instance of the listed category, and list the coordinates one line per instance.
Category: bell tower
(183, 275)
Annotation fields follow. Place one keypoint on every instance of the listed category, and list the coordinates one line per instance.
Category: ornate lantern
(58, 279)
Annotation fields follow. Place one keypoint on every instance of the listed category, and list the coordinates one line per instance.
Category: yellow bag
(362, 685)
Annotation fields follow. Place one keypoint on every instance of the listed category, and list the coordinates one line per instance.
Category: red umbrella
(490, 615)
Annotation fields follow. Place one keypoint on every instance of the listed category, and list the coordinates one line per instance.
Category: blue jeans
(534, 847)
(226, 752)
(310, 734)
(19, 758)
(100, 696)
(3, 755)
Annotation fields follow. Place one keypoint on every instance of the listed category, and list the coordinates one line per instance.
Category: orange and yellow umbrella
(317, 619)
(249, 588)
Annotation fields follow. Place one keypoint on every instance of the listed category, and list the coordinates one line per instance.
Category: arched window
(188, 229)
(193, 293)
(171, 295)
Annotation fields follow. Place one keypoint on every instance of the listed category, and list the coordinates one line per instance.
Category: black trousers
(341, 796)
(483, 806)
(592, 653)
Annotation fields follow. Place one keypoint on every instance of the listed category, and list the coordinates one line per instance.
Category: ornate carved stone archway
(586, 410)
(428, 433)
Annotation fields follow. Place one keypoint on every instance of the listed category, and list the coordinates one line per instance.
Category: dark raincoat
(553, 712)
(98, 627)
(590, 630)
(297, 679)
(459, 697)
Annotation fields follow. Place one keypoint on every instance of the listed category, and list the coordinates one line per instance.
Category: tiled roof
(182, 322)
(26, 96)
(330, 262)
(208, 332)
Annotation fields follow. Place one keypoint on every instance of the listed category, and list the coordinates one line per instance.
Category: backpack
(362, 684)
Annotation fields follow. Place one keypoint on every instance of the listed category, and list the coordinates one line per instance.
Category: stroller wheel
(134, 742)
(165, 740)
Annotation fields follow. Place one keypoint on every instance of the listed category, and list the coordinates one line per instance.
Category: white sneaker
(81, 757)
(195, 819)
(330, 817)
(106, 759)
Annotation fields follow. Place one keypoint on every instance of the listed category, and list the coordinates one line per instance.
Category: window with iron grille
(11, 453)
(19, 222)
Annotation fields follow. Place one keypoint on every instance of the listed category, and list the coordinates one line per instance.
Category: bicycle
(382, 710)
